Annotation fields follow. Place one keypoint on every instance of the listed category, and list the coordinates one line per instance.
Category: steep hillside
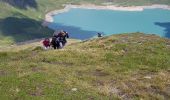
(124, 66)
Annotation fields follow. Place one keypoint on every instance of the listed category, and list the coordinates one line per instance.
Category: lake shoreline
(49, 16)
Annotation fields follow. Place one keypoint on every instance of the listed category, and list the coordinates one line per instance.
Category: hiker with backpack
(59, 39)
(62, 38)
(65, 36)
(55, 42)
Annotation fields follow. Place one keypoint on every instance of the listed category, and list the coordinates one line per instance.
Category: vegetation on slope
(125, 66)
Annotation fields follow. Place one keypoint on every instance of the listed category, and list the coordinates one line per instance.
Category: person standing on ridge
(99, 34)
(65, 35)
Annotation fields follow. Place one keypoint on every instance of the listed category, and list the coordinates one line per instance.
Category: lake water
(86, 23)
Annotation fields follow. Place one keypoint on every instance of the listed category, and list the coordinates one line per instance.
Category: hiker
(46, 43)
(99, 34)
(65, 35)
(55, 42)
(61, 36)
(59, 39)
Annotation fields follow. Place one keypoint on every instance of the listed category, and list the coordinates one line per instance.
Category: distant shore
(49, 16)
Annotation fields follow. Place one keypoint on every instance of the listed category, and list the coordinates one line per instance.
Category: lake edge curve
(49, 16)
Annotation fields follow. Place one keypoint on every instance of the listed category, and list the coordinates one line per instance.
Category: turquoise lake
(86, 23)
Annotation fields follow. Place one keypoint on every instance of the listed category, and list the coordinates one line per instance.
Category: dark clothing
(55, 43)
(62, 37)
(59, 40)
(99, 34)
(66, 34)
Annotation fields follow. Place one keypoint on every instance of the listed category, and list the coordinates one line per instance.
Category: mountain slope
(124, 66)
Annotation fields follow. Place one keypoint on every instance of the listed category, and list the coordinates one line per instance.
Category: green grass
(125, 66)
(114, 67)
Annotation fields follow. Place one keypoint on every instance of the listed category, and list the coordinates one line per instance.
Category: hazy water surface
(85, 23)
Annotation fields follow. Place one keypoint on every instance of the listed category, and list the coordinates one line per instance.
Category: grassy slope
(126, 66)
(113, 67)
(18, 25)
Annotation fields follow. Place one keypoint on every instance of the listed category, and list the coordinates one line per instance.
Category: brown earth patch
(98, 83)
(37, 92)
(36, 69)
(90, 98)
(3, 73)
(98, 72)
(156, 90)
(65, 64)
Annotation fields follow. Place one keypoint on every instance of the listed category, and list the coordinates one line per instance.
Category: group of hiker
(58, 40)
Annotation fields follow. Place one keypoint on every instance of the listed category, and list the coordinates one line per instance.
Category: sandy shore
(49, 15)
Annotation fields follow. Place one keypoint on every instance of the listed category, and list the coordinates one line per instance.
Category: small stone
(17, 90)
(147, 77)
(74, 89)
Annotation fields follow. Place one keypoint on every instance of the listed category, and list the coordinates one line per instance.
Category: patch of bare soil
(65, 64)
(3, 73)
(36, 69)
(100, 73)
(37, 92)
